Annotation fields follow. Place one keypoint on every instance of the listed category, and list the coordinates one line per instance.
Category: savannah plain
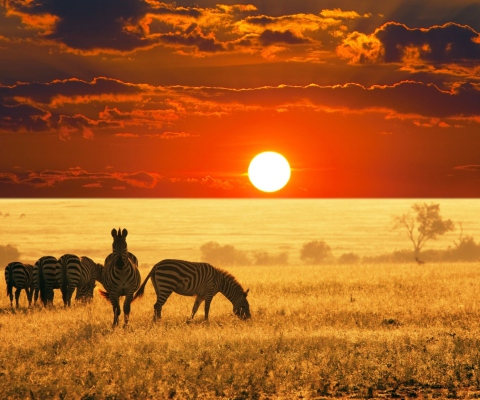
(346, 331)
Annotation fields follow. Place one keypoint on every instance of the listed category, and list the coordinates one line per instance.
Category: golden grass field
(363, 331)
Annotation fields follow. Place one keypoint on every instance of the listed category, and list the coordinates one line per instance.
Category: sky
(150, 99)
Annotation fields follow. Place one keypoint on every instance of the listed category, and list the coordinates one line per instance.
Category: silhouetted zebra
(71, 276)
(120, 276)
(20, 276)
(92, 272)
(195, 279)
(47, 275)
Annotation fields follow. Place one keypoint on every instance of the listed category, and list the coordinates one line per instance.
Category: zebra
(195, 279)
(47, 275)
(71, 276)
(92, 272)
(20, 276)
(120, 276)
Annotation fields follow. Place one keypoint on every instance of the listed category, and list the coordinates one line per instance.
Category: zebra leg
(48, 296)
(157, 311)
(35, 298)
(126, 308)
(116, 309)
(17, 296)
(198, 300)
(29, 296)
(11, 299)
(208, 301)
(69, 295)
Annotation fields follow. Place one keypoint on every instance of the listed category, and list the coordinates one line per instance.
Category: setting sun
(269, 171)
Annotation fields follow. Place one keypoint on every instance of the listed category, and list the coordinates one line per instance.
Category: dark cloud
(269, 37)
(406, 97)
(49, 178)
(438, 44)
(69, 88)
(396, 43)
(92, 24)
(23, 117)
(35, 106)
(194, 38)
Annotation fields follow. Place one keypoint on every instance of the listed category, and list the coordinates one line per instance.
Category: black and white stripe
(71, 278)
(120, 275)
(47, 276)
(195, 279)
(91, 272)
(20, 276)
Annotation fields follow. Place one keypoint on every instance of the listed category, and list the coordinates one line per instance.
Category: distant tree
(424, 224)
(315, 252)
(8, 254)
(219, 255)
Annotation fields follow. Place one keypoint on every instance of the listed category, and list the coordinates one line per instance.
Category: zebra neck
(229, 287)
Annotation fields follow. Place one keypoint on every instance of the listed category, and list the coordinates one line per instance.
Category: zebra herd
(120, 277)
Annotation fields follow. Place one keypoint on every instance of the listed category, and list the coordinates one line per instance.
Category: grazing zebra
(20, 276)
(195, 279)
(47, 275)
(92, 272)
(120, 276)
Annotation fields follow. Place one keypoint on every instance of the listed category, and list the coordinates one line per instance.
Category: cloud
(87, 25)
(396, 43)
(217, 183)
(50, 178)
(472, 167)
(337, 13)
(406, 97)
(269, 37)
(128, 110)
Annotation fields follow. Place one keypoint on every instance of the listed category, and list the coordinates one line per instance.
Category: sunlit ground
(364, 331)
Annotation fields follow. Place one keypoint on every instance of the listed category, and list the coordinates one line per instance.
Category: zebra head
(241, 308)
(119, 247)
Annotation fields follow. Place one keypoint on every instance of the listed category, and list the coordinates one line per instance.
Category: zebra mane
(228, 276)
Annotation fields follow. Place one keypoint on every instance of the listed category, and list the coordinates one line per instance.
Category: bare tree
(423, 225)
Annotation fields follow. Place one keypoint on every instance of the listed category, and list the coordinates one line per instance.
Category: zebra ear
(246, 293)
(124, 232)
(114, 232)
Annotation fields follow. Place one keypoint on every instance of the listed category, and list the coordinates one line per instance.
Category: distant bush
(349, 258)
(264, 258)
(465, 250)
(315, 252)
(217, 254)
(398, 256)
(8, 253)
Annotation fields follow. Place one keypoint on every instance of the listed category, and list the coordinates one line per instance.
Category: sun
(269, 171)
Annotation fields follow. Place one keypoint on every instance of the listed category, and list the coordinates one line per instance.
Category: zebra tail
(104, 294)
(141, 289)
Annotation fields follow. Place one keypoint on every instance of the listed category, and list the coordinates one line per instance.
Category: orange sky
(141, 98)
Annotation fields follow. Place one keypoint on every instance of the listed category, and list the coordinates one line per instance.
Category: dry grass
(371, 331)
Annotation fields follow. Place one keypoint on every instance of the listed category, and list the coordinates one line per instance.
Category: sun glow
(269, 171)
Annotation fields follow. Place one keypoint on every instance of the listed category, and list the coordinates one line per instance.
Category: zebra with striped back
(92, 272)
(195, 279)
(71, 276)
(121, 276)
(20, 276)
(47, 276)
